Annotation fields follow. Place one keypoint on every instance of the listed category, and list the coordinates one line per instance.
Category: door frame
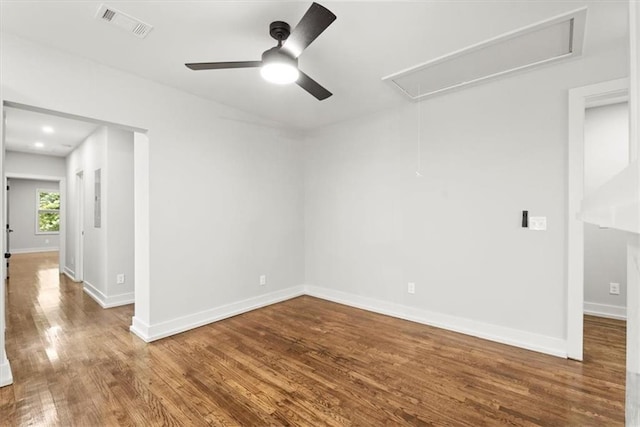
(580, 98)
(78, 273)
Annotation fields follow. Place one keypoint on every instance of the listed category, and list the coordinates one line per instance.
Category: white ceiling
(368, 41)
(25, 128)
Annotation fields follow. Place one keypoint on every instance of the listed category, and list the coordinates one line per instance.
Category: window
(48, 212)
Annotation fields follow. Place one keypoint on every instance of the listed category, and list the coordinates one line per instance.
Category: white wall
(109, 248)
(225, 188)
(87, 157)
(487, 153)
(34, 164)
(23, 217)
(119, 214)
(606, 151)
(606, 144)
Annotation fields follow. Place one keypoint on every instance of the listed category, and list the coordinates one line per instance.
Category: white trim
(514, 337)
(6, 377)
(174, 326)
(608, 100)
(140, 328)
(33, 177)
(107, 301)
(605, 310)
(34, 250)
(578, 100)
(70, 274)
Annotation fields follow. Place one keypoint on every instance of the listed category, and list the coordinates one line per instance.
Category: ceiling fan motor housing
(279, 30)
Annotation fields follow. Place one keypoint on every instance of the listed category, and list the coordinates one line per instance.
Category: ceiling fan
(280, 63)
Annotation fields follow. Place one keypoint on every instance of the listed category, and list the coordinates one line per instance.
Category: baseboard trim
(605, 310)
(33, 250)
(107, 301)
(6, 378)
(139, 328)
(171, 327)
(514, 337)
(517, 338)
(70, 274)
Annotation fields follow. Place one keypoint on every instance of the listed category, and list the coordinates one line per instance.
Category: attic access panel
(545, 42)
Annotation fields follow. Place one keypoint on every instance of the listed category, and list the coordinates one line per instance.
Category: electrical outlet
(263, 280)
(120, 279)
(411, 288)
(614, 288)
(538, 223)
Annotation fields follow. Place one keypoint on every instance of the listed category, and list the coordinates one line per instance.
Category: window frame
(41, 211)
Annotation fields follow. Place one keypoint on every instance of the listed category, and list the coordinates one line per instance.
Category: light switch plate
(538, 223)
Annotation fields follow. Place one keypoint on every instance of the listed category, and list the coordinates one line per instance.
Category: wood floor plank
(303, 362)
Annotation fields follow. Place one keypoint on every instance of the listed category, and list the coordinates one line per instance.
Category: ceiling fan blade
(313, 23)
(223, 65)
(313, 87)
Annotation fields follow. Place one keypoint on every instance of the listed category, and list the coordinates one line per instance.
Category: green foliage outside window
(48, 211)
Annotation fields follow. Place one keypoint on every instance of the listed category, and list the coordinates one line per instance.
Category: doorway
(607, 153)
(32, 226)
(579, 100)
(98, 243)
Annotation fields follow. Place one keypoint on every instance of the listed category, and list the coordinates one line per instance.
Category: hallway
(56, 336)
(301, 362)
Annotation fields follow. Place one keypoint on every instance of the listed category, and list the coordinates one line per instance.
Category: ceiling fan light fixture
(278, 67)
(279, 73)
(279, 64)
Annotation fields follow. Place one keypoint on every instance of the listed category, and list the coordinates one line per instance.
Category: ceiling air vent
(545, 42)
(124, 21)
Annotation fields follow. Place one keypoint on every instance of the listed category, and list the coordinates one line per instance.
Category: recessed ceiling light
(39, 144)
(47, 129)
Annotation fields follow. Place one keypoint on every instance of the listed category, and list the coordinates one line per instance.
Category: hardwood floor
(303, 362)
